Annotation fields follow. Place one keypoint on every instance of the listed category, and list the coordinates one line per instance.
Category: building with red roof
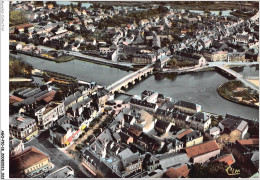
(181, 172)
(203, 152)
(228, 158)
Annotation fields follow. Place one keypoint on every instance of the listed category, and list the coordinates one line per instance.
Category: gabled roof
(228, 158)
(186, 104)
(203, 148)
(182, 134)
(182, 171)
(233, 124)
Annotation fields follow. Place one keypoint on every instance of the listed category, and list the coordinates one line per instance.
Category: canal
(200, 88)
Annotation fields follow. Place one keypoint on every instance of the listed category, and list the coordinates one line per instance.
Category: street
(57, 157)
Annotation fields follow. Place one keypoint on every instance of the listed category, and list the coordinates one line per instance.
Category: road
(213, 64)
(57, 157)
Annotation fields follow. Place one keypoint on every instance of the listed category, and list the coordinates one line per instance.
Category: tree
(16, 18)
(79, 5)
(213, 170)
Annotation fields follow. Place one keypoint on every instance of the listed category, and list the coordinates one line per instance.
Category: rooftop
(228, 158)
(203, 148)
(27, 158)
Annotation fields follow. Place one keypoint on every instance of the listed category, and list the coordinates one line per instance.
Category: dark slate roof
(175, 129)
(200, 117)
(162, 124)
(64, 119)
(131, 159)
(173, 143)
(29, 101)
(236, 117)
(58, 129)
(147, 93)
(161, 96)
(186, 104)
(190, 136)
(70, 99)
(188, 55)
(142, 103)
(230, 124)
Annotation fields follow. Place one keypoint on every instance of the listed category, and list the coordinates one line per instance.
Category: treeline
(18, 68)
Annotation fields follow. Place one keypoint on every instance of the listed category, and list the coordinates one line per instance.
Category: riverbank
(68, 58)
(185, 71)
(235, 91)
(122, 67)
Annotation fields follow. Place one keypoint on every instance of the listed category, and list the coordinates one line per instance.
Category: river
(200, 88)
(83, 70)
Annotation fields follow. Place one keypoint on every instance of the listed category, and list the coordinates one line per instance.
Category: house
(219, 56)
(63, 134)
(143, 58)
(29, 162)
(162, 126)
(132, 163)
(187, 107)
(97, 167)
(150, 162)
(143, 104)
(144, 121)
(149, 142)
(15, 146)
(64, 172)
(237, 129)
(203, 152)
(200, 121)
(236, 56)
(104, 50)
(214, 131)
(191, 138)
(180, 172)
(195, 59)
(228, 158)
(46, 115)
(174, 145)
(22, 127)
(72, 99)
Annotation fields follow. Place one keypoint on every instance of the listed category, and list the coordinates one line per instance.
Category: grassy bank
(237, 92)
(65, 58)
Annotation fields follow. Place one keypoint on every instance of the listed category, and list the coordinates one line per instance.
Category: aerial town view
(133, 89)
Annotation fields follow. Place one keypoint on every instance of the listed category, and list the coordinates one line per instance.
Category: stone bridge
(130, 79)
